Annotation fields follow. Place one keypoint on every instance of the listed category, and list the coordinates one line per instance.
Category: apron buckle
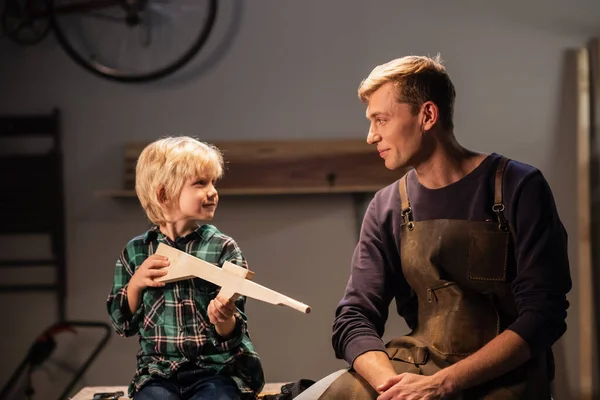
(498, 208)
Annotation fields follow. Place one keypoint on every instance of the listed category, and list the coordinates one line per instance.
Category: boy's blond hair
(164, 166)
(417, 79)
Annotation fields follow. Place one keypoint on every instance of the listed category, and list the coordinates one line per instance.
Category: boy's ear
(161, 195)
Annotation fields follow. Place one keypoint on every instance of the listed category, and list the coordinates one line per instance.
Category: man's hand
(153, 267)
(413, 387)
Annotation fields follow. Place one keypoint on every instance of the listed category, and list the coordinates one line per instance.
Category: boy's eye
(201, 182)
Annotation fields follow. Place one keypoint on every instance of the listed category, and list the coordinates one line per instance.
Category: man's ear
(431, 115)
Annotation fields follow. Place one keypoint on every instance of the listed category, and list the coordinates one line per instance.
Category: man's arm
(543, 278)
(502, 354)
(361, 314)
(375, 367)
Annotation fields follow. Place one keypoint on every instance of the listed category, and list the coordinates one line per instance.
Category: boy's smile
(197, 201)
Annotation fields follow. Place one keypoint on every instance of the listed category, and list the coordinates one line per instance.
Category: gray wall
(288, 70)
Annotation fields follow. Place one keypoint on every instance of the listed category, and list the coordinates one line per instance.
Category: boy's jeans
(190, 386)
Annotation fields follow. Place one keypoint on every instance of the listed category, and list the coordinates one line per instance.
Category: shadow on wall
(595, 200)
(564, 170)
(225, 30)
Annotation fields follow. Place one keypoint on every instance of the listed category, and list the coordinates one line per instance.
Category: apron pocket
(458, 322)
(488, 254)
(414, 355)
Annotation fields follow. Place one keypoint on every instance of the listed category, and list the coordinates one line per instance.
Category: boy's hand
(153, 267)
(221, 309)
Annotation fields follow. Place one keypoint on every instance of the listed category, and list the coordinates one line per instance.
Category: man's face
(393, 128)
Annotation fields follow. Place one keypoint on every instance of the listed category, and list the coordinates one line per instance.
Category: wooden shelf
(255, 168)
(123, 193)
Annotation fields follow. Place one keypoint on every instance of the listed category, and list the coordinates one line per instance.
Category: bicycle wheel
(132, 40)
(25, 22)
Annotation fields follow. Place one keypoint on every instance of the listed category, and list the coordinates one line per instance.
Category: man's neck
(447, 162)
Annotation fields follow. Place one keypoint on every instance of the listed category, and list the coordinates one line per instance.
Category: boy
(194, 343)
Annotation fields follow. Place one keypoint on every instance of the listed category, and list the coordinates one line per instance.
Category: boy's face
(198, 200)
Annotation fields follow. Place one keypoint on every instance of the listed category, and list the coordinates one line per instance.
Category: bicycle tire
(116, 75)
(14, 35)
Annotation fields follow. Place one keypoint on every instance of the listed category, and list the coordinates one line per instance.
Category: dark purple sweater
(542, 277)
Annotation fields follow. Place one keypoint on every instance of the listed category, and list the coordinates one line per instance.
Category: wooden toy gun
(233, 279)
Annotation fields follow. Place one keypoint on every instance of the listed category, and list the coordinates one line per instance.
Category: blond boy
(194, 342)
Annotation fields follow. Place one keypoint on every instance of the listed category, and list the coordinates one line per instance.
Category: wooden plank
(296, 166)
(584, 225)
(124, 193)
(88, 392)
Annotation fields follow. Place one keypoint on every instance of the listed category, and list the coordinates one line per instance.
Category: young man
(194, 342)
(471, 247)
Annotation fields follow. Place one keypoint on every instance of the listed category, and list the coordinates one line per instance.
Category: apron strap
(498, 206)
(406, 210)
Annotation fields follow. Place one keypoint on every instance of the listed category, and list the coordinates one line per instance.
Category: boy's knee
(218, 388)
(156, 390)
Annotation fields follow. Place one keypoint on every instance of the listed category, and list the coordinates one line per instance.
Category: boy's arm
(234, 329)
(221, 312)
(225, 329)
(125, 318)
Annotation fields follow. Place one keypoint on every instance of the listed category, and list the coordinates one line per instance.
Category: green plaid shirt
(172, 323)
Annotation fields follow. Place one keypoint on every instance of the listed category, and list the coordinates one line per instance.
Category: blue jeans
(201, 388)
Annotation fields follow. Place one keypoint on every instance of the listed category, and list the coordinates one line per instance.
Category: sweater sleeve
(543, 277)
(361, 315)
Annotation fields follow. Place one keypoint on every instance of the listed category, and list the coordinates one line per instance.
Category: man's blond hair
(164, 166)
(417, 79)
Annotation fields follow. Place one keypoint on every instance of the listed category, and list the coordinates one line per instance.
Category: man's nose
(373, 137)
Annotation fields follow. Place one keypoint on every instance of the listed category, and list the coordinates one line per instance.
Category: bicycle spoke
(36, 33)
(188, 3)
(159, 38)
(160, 10)
(176, 8)
(145, 35)
(105, 17)
(123, 46)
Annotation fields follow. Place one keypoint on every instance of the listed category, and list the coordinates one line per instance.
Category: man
(471, 247)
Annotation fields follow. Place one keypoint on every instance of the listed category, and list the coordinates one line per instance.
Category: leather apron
(460, 273)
